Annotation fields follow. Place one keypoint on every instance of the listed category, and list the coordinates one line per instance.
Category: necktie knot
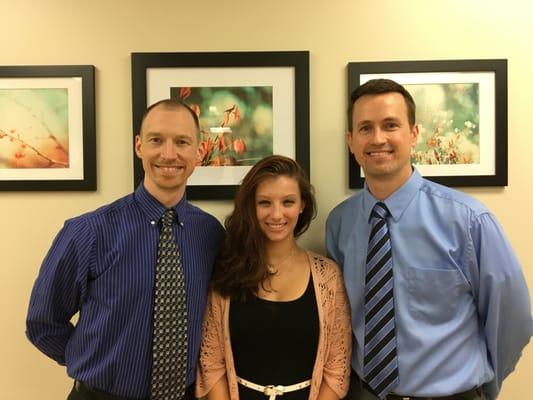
(168, 217)
(379, 211)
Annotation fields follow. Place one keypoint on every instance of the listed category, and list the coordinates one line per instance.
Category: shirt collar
(153, 209)
(398, 201)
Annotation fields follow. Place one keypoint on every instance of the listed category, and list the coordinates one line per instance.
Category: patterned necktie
(169, 368)
(381, 362)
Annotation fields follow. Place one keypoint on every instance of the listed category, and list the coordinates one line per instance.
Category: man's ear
(349, 141)
(138, 143)
(414, 135)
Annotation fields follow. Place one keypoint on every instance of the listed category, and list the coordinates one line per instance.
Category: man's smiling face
(382, 138)
(167, 146)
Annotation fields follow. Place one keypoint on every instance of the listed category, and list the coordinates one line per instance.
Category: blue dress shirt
(463, 310)
(102, 265)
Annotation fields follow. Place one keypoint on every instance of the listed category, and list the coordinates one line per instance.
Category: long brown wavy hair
(242, 266)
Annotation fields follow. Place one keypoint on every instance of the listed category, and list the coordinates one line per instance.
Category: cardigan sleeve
(211, 364)
(339, 346)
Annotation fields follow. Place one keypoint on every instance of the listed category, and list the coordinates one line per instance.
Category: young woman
(277, 320)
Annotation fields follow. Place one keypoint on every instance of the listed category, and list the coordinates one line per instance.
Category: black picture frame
(214, 64)
(492, 74)
(79, 173)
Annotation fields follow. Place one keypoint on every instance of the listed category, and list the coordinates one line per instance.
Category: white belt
(272, 391)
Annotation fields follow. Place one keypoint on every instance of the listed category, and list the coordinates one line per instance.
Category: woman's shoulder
(322, 264)
(216, 299)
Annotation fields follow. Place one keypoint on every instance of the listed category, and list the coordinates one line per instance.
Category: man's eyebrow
(366, 121)
(152, 133)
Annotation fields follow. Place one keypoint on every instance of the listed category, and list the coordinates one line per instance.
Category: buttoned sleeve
(502, 298)
(59, 290)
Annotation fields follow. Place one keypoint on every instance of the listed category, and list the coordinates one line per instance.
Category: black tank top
(275, 342)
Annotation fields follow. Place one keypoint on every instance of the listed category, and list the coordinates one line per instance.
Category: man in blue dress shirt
(101, 264)
(461, 304)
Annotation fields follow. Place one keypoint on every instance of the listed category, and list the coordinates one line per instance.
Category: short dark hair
(242, 266)
(382, 86)
(170, 104)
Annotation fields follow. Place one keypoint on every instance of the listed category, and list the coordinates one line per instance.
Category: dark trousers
(80, 391)
(359, 390)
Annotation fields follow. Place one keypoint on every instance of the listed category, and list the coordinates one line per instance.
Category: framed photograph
(250, 105)
(461, 111)
(47, 128)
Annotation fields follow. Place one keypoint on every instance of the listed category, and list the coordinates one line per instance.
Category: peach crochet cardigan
(332, 363)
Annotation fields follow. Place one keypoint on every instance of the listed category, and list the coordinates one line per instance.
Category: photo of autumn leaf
(34, 129)
(448, 123)
(236, 123)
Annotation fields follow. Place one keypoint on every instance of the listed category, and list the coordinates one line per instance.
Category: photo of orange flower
(236, 123)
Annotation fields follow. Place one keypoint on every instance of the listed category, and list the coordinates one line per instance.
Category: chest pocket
(435, 293)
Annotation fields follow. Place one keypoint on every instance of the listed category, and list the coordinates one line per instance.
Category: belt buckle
(273, 390)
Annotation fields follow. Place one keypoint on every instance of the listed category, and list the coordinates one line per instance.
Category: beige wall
(104, 33)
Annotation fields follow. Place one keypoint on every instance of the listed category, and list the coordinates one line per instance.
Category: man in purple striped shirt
(102, 265)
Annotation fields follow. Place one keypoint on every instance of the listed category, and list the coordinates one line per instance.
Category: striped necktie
(380, 357)
(169, 365)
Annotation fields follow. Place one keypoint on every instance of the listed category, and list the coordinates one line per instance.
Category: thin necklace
(273, 268)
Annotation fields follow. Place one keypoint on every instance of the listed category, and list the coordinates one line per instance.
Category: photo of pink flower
(448, 123)
(34, 128)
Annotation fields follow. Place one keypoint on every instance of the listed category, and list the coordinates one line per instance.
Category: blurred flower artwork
(34, 128)
(235, 123)
(448, 123)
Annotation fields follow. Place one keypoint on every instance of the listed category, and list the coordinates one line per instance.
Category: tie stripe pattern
(169, 369)
(380, 357)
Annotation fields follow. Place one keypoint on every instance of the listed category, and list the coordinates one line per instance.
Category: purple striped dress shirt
(102, 264)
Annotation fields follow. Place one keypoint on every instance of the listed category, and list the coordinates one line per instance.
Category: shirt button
(152, 222)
